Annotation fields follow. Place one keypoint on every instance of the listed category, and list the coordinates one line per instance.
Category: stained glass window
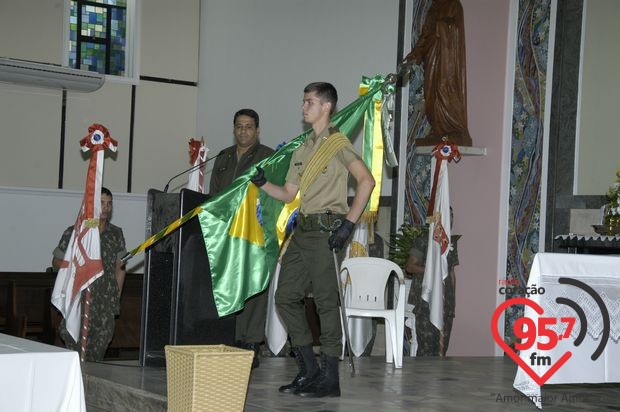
(98, 36)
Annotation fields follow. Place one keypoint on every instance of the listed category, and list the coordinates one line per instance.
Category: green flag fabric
(239, 224)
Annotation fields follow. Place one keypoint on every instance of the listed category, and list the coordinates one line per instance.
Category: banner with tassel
(197, 155)
(82, 264)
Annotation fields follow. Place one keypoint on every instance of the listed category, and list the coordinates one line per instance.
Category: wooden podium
(178, 306)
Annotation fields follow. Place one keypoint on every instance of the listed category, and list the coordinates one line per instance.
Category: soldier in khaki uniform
(319, 171)
(234, 160)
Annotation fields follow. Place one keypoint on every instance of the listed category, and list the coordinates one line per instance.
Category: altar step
(124, 387)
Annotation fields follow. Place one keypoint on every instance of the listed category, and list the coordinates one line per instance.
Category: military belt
(319, 222)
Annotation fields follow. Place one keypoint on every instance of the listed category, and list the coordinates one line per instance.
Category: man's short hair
(246, 112)
(324, 91)
(106, 191)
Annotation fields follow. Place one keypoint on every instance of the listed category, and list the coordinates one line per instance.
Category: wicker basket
(207, 377)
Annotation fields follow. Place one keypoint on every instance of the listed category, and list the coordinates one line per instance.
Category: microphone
(191, 169)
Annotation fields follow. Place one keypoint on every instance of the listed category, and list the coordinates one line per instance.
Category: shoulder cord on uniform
(326, 152)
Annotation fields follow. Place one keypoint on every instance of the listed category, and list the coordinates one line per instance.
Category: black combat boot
(256, 348)
(328, 382)
(308, 369)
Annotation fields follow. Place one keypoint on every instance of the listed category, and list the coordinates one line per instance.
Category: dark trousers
(250, 322)
(308, 266)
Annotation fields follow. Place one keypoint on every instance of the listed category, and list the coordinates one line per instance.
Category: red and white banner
(82, 263)
(197, 155)
(438, 217)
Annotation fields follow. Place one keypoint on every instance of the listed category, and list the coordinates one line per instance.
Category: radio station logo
(539, 334)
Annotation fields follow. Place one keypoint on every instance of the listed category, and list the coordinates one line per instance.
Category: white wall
(169, 39)
(30, 148)
(31, 30)
(261, 54)
(32, 221)
(29, 116)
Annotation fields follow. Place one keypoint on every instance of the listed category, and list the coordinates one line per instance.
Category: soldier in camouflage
(431, 341)
(106, 290)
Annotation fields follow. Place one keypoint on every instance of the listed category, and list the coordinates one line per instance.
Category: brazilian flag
(243, 227)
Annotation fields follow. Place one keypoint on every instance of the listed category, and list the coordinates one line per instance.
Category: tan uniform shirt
(329, 190)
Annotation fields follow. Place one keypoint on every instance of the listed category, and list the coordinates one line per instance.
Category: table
(39, 377)
(602, 274)
(593, 244)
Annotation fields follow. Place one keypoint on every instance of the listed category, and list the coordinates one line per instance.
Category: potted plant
(612, 208)
(402, 242)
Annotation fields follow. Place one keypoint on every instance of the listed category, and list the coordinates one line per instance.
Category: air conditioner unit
(48, 75)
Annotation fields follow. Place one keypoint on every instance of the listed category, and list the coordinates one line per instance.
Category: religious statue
(441, 50)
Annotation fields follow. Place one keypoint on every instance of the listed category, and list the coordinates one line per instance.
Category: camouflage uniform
(250, 321)
(105, 296)
(308, 264)
(430, 341)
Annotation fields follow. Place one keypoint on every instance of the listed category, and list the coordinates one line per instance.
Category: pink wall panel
(475, 182)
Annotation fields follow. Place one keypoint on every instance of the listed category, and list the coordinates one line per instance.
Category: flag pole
(161, 234)
(344, 315)
(85, 325)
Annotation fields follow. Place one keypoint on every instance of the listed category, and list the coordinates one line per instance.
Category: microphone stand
(191, 169)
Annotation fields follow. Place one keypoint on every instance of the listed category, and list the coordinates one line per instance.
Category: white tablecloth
(38, 377)
(601, 273)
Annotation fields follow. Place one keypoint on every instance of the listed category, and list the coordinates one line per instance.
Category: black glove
(339, 236)
(259, 178)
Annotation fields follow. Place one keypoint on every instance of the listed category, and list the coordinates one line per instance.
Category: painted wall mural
(417, 179)
(526, 147)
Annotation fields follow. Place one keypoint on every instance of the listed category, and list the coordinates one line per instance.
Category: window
(100, 36)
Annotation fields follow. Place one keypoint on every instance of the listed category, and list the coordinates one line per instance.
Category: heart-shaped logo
(540, 380)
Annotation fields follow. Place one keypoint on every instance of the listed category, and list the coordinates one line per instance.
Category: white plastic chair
(366, 282)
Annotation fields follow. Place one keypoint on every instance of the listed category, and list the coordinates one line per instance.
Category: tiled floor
(423, 384)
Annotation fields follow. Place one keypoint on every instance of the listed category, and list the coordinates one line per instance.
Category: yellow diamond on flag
(245, 225)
